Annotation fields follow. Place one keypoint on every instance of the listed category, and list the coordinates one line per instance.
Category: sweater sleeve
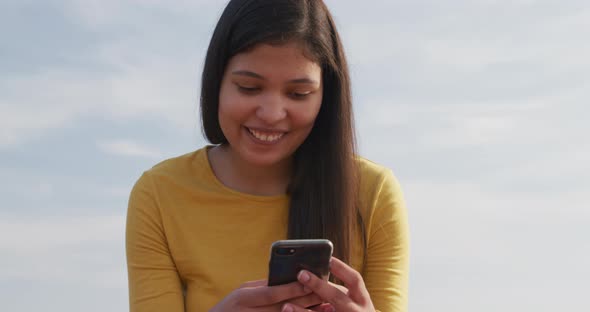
(154, 283)
(386, 266)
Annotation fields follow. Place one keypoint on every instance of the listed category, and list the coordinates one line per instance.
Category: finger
(268, 295)
(328, 292)
(346, 274)
(289, 307)
(324, 307)
(254, 283)
(307, 300)
(340, 287)
(351, 278)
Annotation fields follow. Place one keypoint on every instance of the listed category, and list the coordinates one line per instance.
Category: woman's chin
(265, 161)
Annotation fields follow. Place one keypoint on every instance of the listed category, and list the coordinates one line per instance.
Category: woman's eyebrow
(305, 81)
(248, 73)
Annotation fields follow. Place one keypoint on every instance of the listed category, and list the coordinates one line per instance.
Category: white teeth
(265, 137)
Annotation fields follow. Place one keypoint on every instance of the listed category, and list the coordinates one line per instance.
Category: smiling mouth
(266, 136)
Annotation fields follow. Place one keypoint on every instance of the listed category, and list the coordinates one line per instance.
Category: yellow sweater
(191, 240)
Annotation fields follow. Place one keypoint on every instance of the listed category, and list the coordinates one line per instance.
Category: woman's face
(269, 98)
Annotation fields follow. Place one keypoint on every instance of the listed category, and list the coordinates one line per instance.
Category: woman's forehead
(264, 59)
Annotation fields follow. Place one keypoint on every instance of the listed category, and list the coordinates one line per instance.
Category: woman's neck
(248, 178)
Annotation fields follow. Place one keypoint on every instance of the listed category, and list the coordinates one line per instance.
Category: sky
(480, 108)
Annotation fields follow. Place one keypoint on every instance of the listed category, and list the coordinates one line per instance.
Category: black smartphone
(288, 257)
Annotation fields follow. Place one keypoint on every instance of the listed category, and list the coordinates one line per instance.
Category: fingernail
(330, 309)
(287, 308)
(303, 276)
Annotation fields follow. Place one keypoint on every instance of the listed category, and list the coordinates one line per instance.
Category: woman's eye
(248, 90)
(300, 95)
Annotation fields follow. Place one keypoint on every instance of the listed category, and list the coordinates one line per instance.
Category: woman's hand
(353, 298)
(257, 296)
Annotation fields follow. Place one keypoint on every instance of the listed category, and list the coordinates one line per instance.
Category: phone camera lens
(285, 251)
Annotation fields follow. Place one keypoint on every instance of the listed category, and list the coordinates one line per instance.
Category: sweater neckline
(204, 157)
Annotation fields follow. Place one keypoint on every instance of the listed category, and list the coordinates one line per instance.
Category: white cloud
(84, 250)
(458, 37)
(107, 14)
(128, 75)
(7, 139)
(453, 125)
(128, 148)
(33, 235)
(53, 99)
(487, 245)
(39, 102)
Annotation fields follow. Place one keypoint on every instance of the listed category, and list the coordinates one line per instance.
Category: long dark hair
(323, 190)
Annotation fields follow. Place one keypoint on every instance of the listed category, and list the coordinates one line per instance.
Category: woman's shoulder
(181, 169)
(380, 203)
(181, 164)
(377, 186)
(371, 173)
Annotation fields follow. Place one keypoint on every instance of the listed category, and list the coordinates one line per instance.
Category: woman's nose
(271, 109)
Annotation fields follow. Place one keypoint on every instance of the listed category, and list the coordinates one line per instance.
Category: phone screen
(288, 257)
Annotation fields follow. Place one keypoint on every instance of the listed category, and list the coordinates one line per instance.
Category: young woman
(276, 105)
